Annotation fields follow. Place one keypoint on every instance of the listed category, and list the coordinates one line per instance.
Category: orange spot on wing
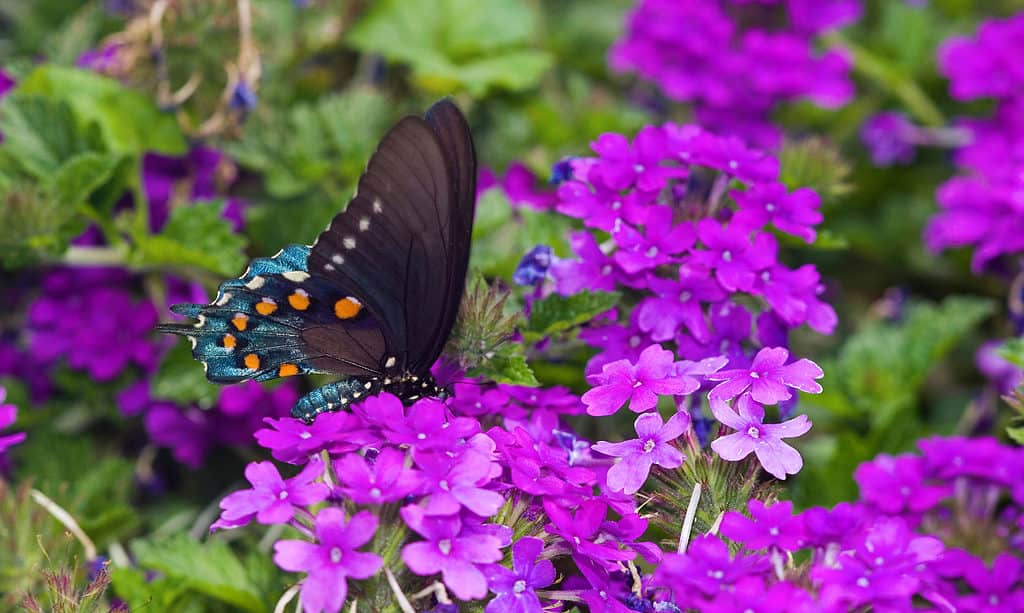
(299, 300)
(229, 341)
(266, 306)
(240, 321)
(287, 370)
(347, 308)
(252, 361)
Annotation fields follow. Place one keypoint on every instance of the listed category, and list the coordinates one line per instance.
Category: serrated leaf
(34, 225)
(558, 313)
(40, 133)
(478, 45)
(507, 366)
(181, 379)
(80, 176)
(817, 164)
(196, 236)
(128, 120)
(210, 568)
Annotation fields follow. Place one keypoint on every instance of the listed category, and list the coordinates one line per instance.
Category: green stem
(891, 78)
(94, 256)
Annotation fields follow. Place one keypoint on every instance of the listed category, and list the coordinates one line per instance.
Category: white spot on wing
(377, 208)
(224, 299)
(256, 282)
(201, 322)
(364, 224)
(328, 267)
(338, 259)
(390, 362)
(192, 340)
(296, 276)
(349, 242)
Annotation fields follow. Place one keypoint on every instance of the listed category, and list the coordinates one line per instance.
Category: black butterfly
(375, 297)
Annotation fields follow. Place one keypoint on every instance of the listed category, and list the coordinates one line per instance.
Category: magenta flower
(271, 500)
(293, 441)
(794, 213)
(332, 560)
(640, 385)
(765, 440)
(582, 532)
(898, 485)
(594, 270)
(679, 303)
(706, 567)
(515, 588)
(8, 413)
(657, 245)
(651, 447)
(768, 526)
(768, 377)
(384, 479)
(455, 481)
(998, 588)
(446, 550)
(730, 252)
(426, 425)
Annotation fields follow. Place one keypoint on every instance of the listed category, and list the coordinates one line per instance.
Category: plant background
(295, 128)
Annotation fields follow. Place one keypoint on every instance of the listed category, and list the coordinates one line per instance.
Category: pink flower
(652, 446)
(272, 500)
(765, 440)
(768, 377)
(332, 560)
(621, 381)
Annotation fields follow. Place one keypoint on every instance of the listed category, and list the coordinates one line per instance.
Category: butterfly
(375, 297)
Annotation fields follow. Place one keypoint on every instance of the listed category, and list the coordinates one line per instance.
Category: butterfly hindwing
(271, 323)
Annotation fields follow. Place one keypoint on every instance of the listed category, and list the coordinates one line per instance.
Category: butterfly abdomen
(338, 395)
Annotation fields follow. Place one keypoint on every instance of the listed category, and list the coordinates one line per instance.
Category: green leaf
(508, 365)
(40, 133)
(151, 594)
(83, 174)
(34, 225)
(1013, 351)
(128, 120)
(195, 236)
(1016, 430)
(558, 313)
(210, 568)
(478, 45)
(182, 380)
(817, 164)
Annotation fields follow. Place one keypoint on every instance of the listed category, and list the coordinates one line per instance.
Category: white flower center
(305, 435)
(616, 205)
(283, 495)
(606, 269)
(773, 531)
(637, 384)
(421, 436)
(576, 540)
(766, 276)
(753, 432)
(443, 484)
(634, 341)
(863, 582)
(445, 546)
(733, 164)
(649, 445)
(519, 586)
(879, 561)
(716, 574)
(904, 491)
(638, 167)
(653, 251)
(335, 554)
(727, 255)
(685, 296)
(375, 492)
(769, 207)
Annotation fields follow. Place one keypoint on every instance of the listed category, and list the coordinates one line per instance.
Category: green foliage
(814, 163)
(211, 569)
(40, 133)
(182, 381)
(501, 234)
(558, 313)
(196, 236)
(129, 122)
(477, 45)
(1013, 351)
(506, 365)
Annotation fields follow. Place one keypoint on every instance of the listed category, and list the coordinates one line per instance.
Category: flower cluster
(706, 53)
(687, 216)
(983, 207)
(8, 414)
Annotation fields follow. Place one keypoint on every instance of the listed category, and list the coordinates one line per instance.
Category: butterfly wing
(256, 327)
(378, 292)
(402, 245)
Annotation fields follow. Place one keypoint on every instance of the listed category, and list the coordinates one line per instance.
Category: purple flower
(425, 424)
(995, 589)
(458, 557)
(679, 303)
(7, 83)
(8, 414)
(515, 588)
(272, 500)
(768, 377)
(897, 485)
(332, 560)
(582, 532)
(649, 448)
(890, 138)
(533, 268)
(622, 166)
(293, 441)
(765, 440)
(730, 252)
(594, 270)
(769, 526)
(794, 213)
(452, 481)
(706, 567)
(641, 384)
(657, 245)
(381, 480)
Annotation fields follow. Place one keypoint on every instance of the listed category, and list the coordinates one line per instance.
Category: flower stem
(691, 513)
(891, 78)
(69, 522)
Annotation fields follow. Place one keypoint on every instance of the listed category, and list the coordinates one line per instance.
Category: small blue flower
(561, 171)
(243, 98)
(533, 268)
